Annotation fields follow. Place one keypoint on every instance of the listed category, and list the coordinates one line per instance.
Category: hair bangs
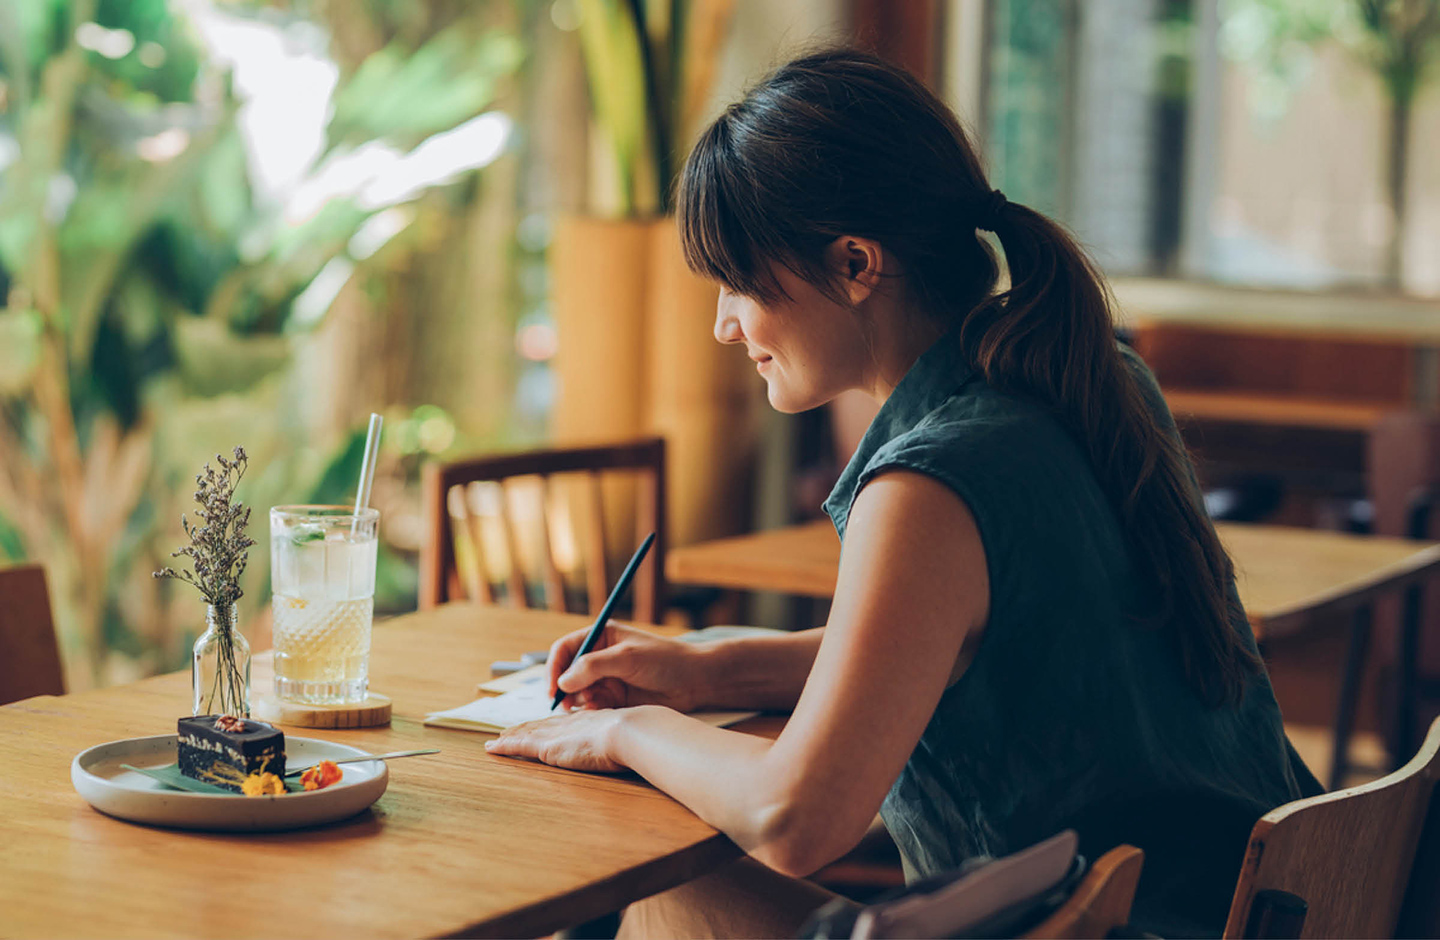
(716, 241)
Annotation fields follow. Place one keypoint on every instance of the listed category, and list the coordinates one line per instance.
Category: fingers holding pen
(562, 654)
(592, 667)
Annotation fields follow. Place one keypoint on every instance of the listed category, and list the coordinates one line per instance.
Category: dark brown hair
(840, 143)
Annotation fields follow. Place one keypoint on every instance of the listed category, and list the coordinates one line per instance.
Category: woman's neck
(896, 349)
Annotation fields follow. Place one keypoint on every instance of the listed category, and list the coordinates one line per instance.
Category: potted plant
(636, 355)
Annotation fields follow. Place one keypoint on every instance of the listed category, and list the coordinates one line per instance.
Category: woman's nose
(727, 325)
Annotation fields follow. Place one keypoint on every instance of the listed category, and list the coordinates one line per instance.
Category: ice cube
(337, 569)
(309, 569)
(306, 532)
(282, 566)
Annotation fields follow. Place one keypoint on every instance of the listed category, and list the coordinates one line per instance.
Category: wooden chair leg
(1402, 742)
(1349, 693)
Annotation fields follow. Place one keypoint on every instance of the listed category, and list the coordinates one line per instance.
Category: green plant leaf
(12, 546)
(336, 485)
(214, 360)
(20, 332)
(405, 97)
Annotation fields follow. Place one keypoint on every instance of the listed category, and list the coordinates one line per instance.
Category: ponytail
(1050, 336)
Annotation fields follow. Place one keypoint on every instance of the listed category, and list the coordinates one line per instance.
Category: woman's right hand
(626, 667)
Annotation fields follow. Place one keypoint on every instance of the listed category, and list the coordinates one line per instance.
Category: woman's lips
(760, 364)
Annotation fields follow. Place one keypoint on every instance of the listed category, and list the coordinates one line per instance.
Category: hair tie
(990, 210)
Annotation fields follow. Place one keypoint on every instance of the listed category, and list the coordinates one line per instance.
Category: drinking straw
(367, 469)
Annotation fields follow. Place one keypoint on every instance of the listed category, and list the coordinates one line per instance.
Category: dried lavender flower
(219, 547)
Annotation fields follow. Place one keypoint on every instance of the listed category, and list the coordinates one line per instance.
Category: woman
(1034, 625)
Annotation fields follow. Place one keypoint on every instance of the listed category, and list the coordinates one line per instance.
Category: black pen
(599, 624)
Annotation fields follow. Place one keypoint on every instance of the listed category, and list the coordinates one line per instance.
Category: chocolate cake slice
(224, 750)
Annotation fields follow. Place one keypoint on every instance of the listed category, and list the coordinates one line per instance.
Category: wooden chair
(1420, 911)
(476, 514)
(999, 897)
(29, 656)
(1101, 902)
(1348, 855)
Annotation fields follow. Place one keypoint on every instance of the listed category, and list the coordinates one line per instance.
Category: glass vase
(220, 668)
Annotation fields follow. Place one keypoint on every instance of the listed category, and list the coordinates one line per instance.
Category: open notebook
(525, 696)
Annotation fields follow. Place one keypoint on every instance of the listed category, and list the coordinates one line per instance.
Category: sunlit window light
(535, 392)
(436, 434)
(565, 14)
(377, 230)
(533, 232)
(286, 83)
(378, 175)
(58, 197)
(9, 150)
(440, 159)
(537, 342)
(111, 43)
(342, 174)
(163, 146)
(310, 306)
(151, 55)
(286, 89)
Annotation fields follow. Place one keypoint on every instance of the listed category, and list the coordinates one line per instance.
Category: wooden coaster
(375, 710)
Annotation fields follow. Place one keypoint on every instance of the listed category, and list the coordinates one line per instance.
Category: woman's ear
(860, 263)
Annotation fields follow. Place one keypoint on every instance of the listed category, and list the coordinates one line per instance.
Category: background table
(461, 843)
(1285, 576)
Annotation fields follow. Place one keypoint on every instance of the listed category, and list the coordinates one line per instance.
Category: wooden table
(1285, 577)
(460, 844)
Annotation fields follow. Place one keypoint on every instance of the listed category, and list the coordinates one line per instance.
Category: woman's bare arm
(764, 672)
(912, 585)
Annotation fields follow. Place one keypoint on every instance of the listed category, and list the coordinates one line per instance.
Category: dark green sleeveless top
(1072, 713)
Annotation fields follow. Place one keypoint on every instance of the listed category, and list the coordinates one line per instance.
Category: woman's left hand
(575, 740)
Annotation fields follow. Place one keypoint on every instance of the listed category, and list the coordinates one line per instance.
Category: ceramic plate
(113, 790)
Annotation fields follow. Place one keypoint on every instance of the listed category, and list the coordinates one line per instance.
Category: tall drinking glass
(322, 573)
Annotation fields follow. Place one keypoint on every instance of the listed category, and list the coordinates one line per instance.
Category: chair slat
(554, 585)
(597, 583)
(497, 561)
(467, 548)
(646, 521)
(516, 583)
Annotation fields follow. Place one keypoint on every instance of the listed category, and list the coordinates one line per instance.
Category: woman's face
(808, 348)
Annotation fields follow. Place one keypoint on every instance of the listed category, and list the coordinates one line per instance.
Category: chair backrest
(1101, 902)
(1348, 854)
(29, 656)
(486, 517)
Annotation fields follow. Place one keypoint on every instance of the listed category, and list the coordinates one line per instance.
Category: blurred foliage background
(250, 223)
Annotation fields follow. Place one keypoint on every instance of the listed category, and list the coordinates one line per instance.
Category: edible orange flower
(262, 785)
(320, 776)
